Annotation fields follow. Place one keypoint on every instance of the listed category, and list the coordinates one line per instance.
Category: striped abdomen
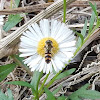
(47, 57)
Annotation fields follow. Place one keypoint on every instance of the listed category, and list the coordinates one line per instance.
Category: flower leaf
(66, 73)
(35, 79)
(83, 32)
(22, 83)
(9, 92)
(12, 21)
(61, 98)
(9, 95)
(92, 19)
(3, 96)
(55, 91)
(81, 37)
(94, 8)
(49, 94)
(83, 93)
(17, 2)
(5, 70)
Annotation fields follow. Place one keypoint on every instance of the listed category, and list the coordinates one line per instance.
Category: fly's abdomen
(47, 57)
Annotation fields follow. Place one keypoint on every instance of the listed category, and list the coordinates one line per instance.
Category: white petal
(70, 38)
(1, 23)
(27, 60)
(55, 66)
(28, 50)
(28, 41)
(34, 61)
(45, 27)
(37, 30)
(48, 68)
(67, 44)
(72, 49)
(1, 19)
(58, 63)
(69, 54)
(64, 36)
(1, 16)
(62, 57)
(23, 45)
(55, 26)
(45, 67)
(34, 33)
(30, 36)
(27, 54)
(60, 31)
(34, 67)
(42, 65)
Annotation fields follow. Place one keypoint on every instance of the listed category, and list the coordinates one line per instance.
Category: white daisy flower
(47, 46)
(2, 19)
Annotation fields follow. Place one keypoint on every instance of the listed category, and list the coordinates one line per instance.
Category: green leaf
(90, 94)
(94, 8)
(81, 37)
(83, 93)
(35, 79)
(9, 95)
(92, 19)
(74, 98)
(61, 98)
(3, 96)
(83, 32)
(17, 2)
(12, 21)
(49, 94)
(66, 73)
(21, 83)
(55, 91)
(9, 92)
(5, 70)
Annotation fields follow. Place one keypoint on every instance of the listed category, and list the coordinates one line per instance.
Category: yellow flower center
(42, 44)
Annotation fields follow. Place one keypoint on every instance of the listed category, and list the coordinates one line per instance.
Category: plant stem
(43, 83)
(11, 2)
(64, 7)
(50, 83)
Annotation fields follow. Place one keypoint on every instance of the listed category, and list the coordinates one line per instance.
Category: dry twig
(26, 9)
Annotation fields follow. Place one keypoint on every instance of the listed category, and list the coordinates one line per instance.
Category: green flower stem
(50, 83)
(36, 98)
(64, 7)
(43, 83)
(11, 3)
(37, 92)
